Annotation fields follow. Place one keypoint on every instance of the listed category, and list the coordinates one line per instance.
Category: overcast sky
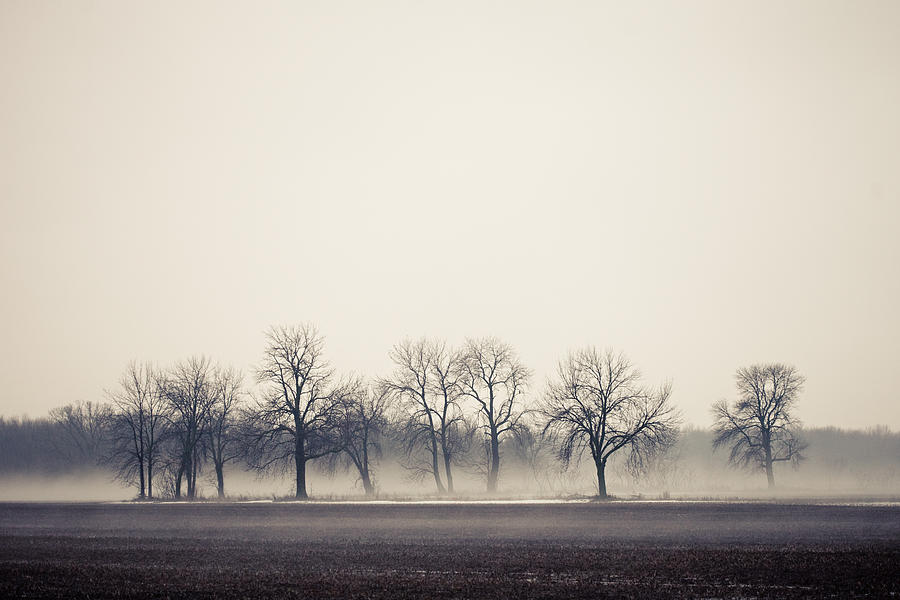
(702, 185)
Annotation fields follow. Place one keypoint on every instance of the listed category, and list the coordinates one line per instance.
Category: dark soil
(615, 550)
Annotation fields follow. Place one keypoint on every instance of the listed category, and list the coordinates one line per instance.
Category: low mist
(84, 486)
(840, 463)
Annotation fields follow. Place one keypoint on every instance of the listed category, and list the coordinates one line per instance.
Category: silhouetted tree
(362, 424)
(760, 428)
(296, 419)
(223, 428)
(454, 431)
(138, 426)
(493, 377)
(597, 402)
(411, 381)
(188, 388)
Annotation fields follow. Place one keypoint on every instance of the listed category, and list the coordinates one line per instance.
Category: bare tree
(411, 380)
(138, 426)
(86, 427)
(188, 388)
(297, 417)
(494, 378)
(454, 432)
(363, 421)
(760, 428)
(597, 402)
(223, 422)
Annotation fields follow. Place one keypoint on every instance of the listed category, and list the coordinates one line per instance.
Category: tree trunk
(188, 475)
(364, 470)
(220, 479)
(448, 472)
(141, 477)
(367, 482)
(195, 463)
(494, 471)
(141, 454)
(434, 463)
(770, 476)
(149, 480)
(300, 463)
(601, 478)
(178, 475)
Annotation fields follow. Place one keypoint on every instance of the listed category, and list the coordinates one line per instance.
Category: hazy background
(702, 185)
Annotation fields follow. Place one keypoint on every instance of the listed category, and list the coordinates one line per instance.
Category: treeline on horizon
(444, 415)
(839, 461)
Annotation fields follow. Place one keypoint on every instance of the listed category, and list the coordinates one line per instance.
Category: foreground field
(615, 550)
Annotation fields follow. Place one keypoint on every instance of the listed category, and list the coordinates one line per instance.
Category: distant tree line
(442, 409)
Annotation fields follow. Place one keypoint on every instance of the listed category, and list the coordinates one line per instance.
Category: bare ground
(614, 550)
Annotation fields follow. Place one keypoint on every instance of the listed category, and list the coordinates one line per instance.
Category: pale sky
(702, 185)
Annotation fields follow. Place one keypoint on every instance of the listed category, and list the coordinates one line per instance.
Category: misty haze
(471, 299)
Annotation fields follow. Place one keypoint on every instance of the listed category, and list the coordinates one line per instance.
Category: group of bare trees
(166, 424)
(435, 383)
(446, 401)
(448, 408)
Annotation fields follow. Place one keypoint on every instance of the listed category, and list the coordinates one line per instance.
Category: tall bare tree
(760, 428)
(414, 361)
(363, 421)
(597, 402)
(188, 388)
(296, 418)
(223, 435)
(138, 428)
(454, 432)
(494, 378)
